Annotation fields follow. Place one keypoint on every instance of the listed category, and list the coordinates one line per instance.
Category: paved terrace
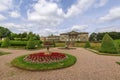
(89, 66)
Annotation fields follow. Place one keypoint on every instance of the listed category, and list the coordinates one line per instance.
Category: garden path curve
(89, 66)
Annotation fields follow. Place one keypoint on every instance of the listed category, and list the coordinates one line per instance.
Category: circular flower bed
(42, 61)
(45, 58)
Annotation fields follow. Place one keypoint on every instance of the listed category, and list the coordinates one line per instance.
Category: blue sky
(46, 17)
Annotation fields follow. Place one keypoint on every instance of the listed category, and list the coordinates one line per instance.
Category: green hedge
(23, 43)
(19, 39)
(18, 43)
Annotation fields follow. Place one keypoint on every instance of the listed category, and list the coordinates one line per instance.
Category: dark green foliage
(18, 43)
(87, 44)
(5, 43)
(4, 32)
(19, 39)
(99, 36)
(93, 37)
(108, 45)
(37, 43)
(31, 43)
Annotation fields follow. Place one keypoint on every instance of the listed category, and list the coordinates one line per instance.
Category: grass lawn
(99, 53)
(3, 53)
(60, 44)
(20, 63)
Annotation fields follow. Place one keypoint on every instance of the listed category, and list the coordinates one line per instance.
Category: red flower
(41, 57)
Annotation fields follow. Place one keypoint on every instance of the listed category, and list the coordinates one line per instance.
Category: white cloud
(79, 27)
(108, 29)
(46, 13)
(14, 14)
(2, 17)
(113, 14)
(16, 27)
(101, 3)
(5, 5)
(79, 7)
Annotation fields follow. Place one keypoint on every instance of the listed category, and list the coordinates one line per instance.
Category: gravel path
(89, 66)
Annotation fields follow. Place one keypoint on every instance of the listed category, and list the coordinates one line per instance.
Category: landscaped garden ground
(89, 66)
(19, 65)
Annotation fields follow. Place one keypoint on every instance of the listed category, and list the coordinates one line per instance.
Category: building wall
(63, 37)
(55, 38)
(80, 37)
(83, 37)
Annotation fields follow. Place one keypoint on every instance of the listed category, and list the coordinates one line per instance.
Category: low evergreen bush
(87, 44)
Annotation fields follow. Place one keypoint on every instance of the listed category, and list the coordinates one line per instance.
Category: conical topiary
(5, 43)
(87, 44)
(30, 43)
(108, 45)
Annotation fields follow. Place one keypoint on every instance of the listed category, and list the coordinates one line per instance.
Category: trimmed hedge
(108, 45)
(18, 43)
(5, 43)
(19, 39)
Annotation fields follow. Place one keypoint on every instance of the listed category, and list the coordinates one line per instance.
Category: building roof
(52, 36)
(74, 32)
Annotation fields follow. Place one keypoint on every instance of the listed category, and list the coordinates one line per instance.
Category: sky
(46, 17)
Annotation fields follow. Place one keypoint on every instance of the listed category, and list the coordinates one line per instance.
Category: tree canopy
(4, 32)
(99, 36)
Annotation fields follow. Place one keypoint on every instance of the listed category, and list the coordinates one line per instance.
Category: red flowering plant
(43, 58)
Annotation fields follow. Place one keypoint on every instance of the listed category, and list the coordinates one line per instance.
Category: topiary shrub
(38, 43)
(108, 45)
(5, 43)
(87, 45)
(30, 43)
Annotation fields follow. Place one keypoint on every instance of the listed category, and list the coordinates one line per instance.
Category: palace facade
(74, 36)
(69, 36)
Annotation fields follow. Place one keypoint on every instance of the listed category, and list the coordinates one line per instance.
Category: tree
(24, 34)
(13, 36)
(93, 37)
(5, 43)
(4, 32)
(30, 34)
(108, 45)
(99, 36)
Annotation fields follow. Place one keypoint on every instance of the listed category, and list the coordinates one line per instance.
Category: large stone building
(74, 36)
(70, 36)
(53, 38)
